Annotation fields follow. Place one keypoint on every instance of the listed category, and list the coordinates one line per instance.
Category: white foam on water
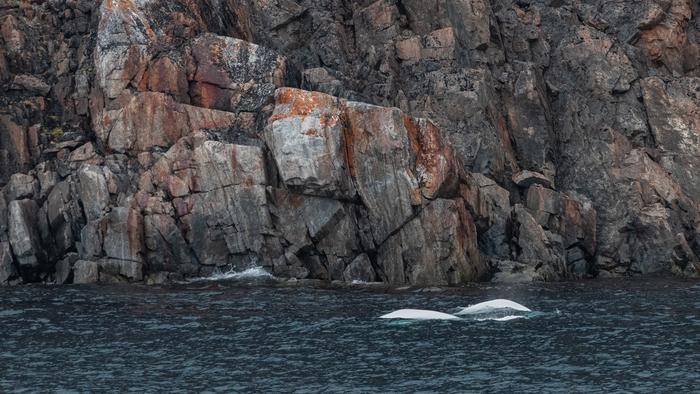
(504, 318)
(255, 272)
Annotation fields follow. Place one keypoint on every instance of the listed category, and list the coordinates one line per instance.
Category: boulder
(7, 265)
(14, 148)
(508, 271)
(116, 271)
(306, 137)
(107, 271)
(167, 75)
(167, 250)
(543, 203)
(541, 251)
(30, 84)
(360, 270)
(93, 191)
(526, 178)
(57, 204)
(148, 120)
(221, 165)
(228, 221)
(123, 236)
(440, 45)
(91, 237)
(85, 271)
(64, 268)
(24, 236)
(491, 208)
(22, 186)
(398, 164)
(438, 247)
(225, 67)
(3, 218)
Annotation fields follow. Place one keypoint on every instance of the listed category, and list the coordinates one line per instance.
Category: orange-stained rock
(391, 171)
(234, 75)
(665, 40)
(166, 76)
(156, 120)
(306, 137)
(332, 147)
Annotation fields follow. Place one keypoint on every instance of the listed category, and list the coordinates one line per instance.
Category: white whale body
(418, 314)
(493, 305)
(482, 311)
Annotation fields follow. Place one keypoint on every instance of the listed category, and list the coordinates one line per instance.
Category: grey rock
(24, 235)
(526, 178)
(537, 249)
(112, 270)
(3, 218)
(673, 115)
(64, 268)
(85, 272)
(600, 96)
(30, 84)
(107, 271)
(93, 191)
(167, 250)
(91, 237)
(306, 137)
(7, 267)
(47, 179)
(437, 247)
(221, 165)
(360, 269)
(22, 186)
(227, 65)
(508, 271)
(123, 236)
(58, 210)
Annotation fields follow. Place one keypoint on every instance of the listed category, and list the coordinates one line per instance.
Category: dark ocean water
(597, 336)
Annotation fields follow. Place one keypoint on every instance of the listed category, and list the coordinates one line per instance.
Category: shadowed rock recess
(412, 142)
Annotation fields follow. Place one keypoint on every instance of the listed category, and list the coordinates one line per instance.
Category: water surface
(228, 336)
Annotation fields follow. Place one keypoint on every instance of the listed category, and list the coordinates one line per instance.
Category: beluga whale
(493, 305)
(499, 310)
(418, 314)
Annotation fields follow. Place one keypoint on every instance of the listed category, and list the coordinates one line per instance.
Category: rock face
(400, 181)
(430, 142)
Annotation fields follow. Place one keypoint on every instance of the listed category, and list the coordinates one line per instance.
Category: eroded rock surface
(426, 142)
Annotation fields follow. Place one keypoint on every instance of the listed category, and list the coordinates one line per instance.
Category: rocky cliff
(423, 142)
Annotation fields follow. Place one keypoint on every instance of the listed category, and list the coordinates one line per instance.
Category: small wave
(256, 272)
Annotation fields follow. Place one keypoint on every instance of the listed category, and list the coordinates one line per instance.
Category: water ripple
(214, 336)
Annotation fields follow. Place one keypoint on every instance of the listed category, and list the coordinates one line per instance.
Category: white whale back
(481, 311)
(418, 314)
(489, 306)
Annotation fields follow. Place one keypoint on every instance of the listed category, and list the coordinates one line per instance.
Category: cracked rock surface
(430, 142)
